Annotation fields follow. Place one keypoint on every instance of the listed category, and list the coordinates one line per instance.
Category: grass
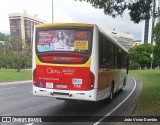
(149, 101)
(7, 75)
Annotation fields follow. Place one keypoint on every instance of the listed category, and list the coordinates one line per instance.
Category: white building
(22, 25)
(125, 39)
(137, 43)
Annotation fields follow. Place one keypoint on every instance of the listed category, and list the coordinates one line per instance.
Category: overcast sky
(67, 11)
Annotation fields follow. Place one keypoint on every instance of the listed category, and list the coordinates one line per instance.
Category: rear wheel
(124, 82)
(111, 95)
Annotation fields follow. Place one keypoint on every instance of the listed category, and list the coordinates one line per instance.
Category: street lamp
(52, 12)
(151, 56)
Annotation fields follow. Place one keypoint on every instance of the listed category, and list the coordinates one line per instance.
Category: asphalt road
(18, 100)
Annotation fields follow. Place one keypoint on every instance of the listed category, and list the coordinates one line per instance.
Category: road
(18, 100)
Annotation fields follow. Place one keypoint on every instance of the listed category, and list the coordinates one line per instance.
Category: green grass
(7, 75)
(149, 101)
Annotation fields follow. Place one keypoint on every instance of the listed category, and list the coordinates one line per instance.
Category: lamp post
(151, 56)
(52, 12)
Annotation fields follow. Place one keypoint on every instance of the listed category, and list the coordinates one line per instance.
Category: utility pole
(52, 12)
(153, 19)
(151, 56)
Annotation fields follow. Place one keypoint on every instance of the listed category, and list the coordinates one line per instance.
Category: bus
(77, 61)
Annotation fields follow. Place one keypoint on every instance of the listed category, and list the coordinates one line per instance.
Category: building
(137, 43)
(22, 25)
(148, 25)
(125, 39)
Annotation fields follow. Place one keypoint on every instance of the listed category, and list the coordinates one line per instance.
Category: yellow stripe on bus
(64, 24)
(87, 64)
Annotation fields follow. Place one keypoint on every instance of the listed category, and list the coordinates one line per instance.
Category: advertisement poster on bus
(63, 40)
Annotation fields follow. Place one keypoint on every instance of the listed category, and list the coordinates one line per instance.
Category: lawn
(149, 102)
(7, 75)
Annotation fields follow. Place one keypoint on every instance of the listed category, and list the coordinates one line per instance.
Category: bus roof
(113, 40)
(64, 24)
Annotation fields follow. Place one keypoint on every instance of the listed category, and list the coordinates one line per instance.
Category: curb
(16, 82)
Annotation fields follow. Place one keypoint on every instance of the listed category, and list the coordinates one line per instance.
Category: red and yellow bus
(77, 61)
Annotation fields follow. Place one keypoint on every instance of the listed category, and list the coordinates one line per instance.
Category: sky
(68, 11)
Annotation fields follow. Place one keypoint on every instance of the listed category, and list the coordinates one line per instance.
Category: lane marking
(30, 124)
(109, 113)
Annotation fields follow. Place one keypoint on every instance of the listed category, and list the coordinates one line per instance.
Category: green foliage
(156, 33)
(138, 9)
(141, 54)
(12, 55)
(134, 66)
(3, 37)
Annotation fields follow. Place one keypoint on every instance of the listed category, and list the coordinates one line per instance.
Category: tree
(25, 56)
(22, 52)
(141, 54)
(13, 54)
(156, 35)
(3, 37)
(138, 9)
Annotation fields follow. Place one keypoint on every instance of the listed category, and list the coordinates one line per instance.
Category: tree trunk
(19, 67)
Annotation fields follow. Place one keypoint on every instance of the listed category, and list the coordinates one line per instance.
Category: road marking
(109, 113)
(8, 88)
(30, 124)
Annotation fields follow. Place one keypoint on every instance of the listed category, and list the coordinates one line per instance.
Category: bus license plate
(49, 85)
(76, 81)
(63, 86)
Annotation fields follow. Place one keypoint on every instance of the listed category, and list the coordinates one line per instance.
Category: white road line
(30, 124)
(109, 113)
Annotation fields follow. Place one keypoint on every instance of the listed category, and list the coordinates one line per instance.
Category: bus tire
(124, 82)
(111, 94)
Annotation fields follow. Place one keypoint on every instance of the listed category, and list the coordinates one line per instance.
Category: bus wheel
(111, 95)
(124, 82)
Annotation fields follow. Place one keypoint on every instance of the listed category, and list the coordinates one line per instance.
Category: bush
(134, 66)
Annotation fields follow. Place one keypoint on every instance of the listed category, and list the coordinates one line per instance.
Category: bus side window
(102, 52)
(116, 56)
(119, 58)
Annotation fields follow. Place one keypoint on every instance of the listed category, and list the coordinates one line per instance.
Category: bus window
(103, 52)
(119, 58)
(73, 44)
(72, 40)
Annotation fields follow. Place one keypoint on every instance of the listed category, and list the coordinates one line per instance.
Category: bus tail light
(35, 77)
(91, 81)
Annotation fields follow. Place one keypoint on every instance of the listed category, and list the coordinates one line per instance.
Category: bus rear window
(71, 40)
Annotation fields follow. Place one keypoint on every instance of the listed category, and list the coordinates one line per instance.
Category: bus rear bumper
(66, 94)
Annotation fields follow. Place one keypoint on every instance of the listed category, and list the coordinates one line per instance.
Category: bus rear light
(35, 77)
(58, 59)
(91, 81)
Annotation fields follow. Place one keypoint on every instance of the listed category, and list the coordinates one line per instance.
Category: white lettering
(77, 86)
(52, 71)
